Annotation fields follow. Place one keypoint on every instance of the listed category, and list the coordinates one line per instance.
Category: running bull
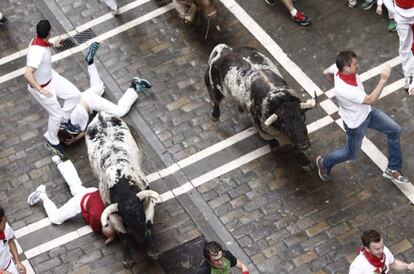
(256, 84)
(116, 161)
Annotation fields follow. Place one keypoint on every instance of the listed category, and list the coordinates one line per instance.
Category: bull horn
(310, 103)
(107, 211)
(272, 118)
(149, 193)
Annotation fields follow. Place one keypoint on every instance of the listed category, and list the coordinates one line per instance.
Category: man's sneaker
(91, 53)
(352, 3)
(139, 84)
(35, 196)
(392, 26)
(3, 19)
(407, 82)
(112, 5)
(69, 127)
(56, 149)
(322, 171)
(301, 19)
(270, 2)
(368, 4)
(395, 176)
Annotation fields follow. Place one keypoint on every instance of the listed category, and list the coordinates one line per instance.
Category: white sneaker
(34, 197)
(352, 3)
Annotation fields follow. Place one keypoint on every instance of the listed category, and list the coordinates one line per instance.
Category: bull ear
(272, 118)
(107, 211)
(116, 222)
(310, 103)
(149, 193)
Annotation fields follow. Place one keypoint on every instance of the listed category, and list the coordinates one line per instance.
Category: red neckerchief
(2, 236)
(39, 42)
(350, 79)
(405, 4)
(379, 264)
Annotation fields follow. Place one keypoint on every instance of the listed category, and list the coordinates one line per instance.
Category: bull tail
(214, 55)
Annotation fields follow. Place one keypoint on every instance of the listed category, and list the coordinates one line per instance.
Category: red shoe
(301, 19)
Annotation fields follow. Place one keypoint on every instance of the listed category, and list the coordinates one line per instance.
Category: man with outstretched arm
(358, 114)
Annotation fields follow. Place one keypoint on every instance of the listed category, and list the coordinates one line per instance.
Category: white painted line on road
(57, 242)
(78, 29)
(201, 154)
(100, 38)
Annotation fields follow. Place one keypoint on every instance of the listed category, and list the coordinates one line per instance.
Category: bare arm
(76, 138)
(400, 265)
(242, 267)
(29, 75)
(372, 98)
(15, 254)
(328, 75)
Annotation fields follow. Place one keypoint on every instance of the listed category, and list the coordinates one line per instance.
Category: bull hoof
(274, 144)
(128, 263)
(215, 113)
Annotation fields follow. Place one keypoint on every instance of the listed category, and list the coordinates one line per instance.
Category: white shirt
(361, 265)
(4, 247)
(350, 100)
(80, 117)
(40, 58)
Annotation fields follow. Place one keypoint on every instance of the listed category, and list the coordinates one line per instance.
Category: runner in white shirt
(92, 100)
(374, 257)
(8, 265)
(358, 115)
(46, 85)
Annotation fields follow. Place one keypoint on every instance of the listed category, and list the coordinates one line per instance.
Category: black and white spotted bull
(257, 86)
(116, 160)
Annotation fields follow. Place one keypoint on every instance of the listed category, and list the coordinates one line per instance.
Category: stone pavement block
(400, 247)
(350, 235)
(304, 258)
(47, 265)
(316, 229)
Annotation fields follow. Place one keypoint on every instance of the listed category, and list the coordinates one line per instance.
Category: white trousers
(72, 207)
(93, 98)
(389, 4)
(111, 4)
(405, 34)
(64, 89)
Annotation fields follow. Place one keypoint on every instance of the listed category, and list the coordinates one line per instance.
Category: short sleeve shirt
(361, 265)
(80, 117)
(40, 58)
(350, 100)
(4, 247)
(205, 267)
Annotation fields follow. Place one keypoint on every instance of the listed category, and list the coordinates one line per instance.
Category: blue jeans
(377, 120)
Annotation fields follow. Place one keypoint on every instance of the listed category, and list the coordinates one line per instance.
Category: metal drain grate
(74, 41)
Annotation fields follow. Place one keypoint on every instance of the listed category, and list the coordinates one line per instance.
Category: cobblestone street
(223, 182)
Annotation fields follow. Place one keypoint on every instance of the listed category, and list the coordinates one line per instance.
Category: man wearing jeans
(358, 115)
